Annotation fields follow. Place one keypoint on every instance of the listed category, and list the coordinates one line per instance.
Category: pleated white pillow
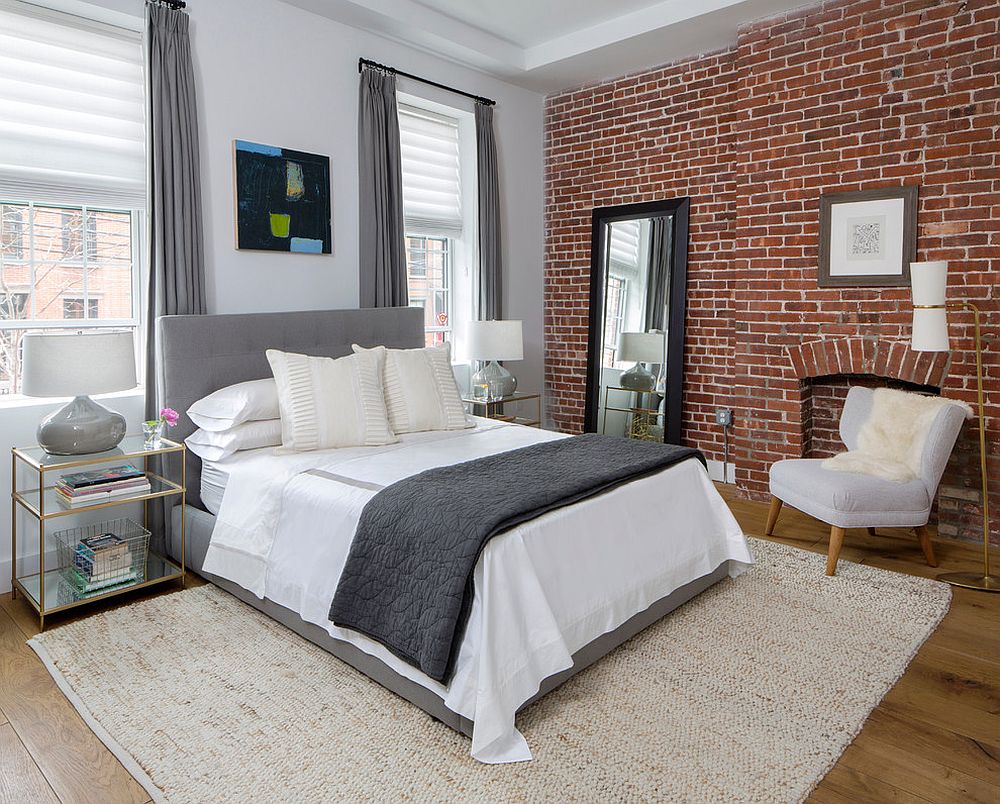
(420, 389)
(331, 403)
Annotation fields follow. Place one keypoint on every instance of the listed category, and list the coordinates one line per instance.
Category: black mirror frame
(678, 209)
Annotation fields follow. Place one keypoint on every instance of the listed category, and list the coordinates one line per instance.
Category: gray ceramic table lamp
(78, 364)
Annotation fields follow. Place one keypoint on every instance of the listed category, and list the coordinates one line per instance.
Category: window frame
(448, 275)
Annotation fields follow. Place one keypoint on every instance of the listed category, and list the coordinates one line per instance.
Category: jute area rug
(750, 692)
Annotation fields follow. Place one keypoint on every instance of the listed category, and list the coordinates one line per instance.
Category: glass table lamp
(78, 364)
(490, 342)
(929, 284)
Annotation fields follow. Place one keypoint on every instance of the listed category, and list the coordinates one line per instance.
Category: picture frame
(867, 238)
(281, 198)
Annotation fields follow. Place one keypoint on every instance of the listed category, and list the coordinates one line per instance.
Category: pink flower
(170, 416)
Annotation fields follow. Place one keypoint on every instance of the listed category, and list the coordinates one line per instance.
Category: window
(79, 236)
(74, 308)
(428, 261)
(614, 317)
(435, 217)
(72, 177)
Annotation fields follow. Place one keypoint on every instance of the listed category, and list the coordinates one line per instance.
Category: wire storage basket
(94, 559)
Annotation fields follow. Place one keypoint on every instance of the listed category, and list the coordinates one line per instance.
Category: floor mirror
(638, 290)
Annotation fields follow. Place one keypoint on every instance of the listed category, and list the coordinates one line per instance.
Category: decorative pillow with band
(329, 403)
(420, 389)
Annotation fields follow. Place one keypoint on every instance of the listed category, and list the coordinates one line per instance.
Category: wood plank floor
(935, 737)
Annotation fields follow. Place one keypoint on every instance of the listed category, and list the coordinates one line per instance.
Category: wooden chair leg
(772, 515)
(924, 534)
(872, 532)
(836, 542)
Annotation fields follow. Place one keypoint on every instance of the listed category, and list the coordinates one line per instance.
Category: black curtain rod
(176, 5)
(362, 63)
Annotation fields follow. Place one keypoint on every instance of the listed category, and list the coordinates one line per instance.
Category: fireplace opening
(823, 404)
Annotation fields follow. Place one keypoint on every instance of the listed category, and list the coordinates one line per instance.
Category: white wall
(272, 73)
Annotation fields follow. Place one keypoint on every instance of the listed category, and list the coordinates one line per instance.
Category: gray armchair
(850, 500)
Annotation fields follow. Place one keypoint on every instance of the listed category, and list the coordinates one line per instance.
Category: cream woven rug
(749, 692)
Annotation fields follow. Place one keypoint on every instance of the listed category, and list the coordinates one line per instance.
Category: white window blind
(72, 116)
(432, 199)
(625, 243)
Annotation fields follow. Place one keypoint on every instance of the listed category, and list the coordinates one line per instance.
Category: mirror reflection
(634, 340)
(638, 264)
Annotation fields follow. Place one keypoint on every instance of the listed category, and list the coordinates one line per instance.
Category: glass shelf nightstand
(496, 408)
(46, 589)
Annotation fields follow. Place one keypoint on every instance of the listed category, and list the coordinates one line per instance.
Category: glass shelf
(130, 447)
(59, 595)
(55, 507)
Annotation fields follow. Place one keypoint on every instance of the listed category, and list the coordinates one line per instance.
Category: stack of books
(101, 561)
(101, 485)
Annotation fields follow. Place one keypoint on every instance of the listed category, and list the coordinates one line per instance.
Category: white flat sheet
(542, 590)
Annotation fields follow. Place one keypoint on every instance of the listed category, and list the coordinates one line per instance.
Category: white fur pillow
(331, 403)
(420, 389)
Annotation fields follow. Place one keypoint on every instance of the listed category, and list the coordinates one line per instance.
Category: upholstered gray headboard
(198, 354)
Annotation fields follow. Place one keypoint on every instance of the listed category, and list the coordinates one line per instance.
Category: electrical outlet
(724, 416)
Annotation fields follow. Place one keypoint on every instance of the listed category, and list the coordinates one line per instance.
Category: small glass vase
(152, 433)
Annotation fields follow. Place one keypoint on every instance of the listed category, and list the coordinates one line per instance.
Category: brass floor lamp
(929, 282)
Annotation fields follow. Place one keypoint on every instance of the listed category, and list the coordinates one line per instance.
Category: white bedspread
(542, 590)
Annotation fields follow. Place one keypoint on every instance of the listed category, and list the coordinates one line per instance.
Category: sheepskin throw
(891, 441)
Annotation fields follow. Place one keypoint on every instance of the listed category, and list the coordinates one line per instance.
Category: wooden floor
(935, 737)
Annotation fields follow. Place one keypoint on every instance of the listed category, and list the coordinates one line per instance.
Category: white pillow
(331, 403)
(256, 400)
(219, 445)
(420, 390)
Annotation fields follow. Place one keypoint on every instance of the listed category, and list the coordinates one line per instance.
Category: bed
(536, 619)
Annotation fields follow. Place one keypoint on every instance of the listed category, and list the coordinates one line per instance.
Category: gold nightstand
(495, 408)
(46, 590)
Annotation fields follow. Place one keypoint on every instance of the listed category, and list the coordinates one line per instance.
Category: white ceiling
(547, 45)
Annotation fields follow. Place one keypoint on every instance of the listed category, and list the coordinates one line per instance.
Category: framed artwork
(282, 199)
(867, 238)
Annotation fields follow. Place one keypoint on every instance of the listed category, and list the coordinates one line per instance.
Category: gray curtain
(658, 274)
(176, 253)
(490, 303)
(176, 246)
(382, 254)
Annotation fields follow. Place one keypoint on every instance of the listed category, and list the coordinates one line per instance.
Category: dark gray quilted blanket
(408, 578)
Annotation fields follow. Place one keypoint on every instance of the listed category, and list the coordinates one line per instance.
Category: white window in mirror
(616, 300)
(439, 215)
(72, 177)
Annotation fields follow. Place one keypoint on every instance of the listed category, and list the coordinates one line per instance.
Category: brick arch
(874, 356)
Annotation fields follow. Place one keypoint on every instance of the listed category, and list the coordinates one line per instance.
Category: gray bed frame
(200, 354)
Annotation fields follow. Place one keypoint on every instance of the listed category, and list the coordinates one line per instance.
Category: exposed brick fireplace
(844, 96)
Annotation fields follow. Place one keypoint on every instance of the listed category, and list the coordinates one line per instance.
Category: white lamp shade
(930, 330)
(495, 340)
(642, 347)
(77, 364)
(929, 283)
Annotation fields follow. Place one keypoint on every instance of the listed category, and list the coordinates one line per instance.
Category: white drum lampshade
(496, 340)
(642, 347)
(490, 341)
(929, 284)
(79, 364)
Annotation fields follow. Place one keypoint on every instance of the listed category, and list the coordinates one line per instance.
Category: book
(81, 584)
(102, 557)
(106, 496)
(97, 477)
(104, 488)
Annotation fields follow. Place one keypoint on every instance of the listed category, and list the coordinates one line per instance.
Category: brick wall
(843, 96)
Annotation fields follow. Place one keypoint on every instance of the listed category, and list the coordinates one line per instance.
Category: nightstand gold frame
(41, 503)
(492, 407)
